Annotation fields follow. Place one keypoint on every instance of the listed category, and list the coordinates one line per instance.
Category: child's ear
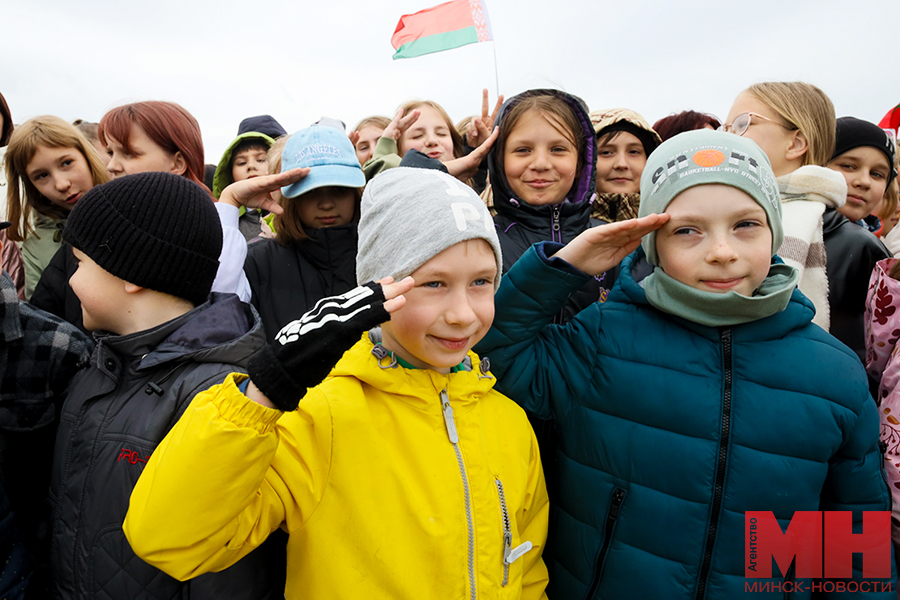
(799, 146)
(131, 288)
(179, 164)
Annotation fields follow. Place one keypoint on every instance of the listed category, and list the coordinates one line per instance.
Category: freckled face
(717, 240)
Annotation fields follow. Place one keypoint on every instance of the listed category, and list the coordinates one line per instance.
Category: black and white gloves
(306, 350)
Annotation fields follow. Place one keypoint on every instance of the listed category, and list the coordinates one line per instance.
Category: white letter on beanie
(462, 212)
(454, 187)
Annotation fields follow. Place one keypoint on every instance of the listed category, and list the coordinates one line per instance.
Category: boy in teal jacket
(700, 390)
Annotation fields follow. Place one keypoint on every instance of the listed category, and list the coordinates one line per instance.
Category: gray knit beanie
(410, 215)
(702, 157)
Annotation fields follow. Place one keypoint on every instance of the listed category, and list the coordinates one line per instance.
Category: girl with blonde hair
(50, 165)
(794, 124)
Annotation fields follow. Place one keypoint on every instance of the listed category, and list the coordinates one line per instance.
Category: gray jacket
(117, 411)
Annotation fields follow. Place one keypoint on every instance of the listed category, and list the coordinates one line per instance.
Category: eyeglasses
(741, 123)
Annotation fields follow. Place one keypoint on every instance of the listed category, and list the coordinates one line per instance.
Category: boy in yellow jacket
(403, 475)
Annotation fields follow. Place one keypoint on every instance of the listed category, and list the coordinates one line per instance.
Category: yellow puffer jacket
(377, 499)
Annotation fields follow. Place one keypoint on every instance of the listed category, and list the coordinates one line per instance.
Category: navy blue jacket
(670, 431)
(117, 411)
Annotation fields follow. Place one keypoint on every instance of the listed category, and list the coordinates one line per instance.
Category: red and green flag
(443, 27)
(892, 119)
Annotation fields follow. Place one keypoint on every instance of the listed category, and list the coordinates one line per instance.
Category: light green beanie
(702, 157)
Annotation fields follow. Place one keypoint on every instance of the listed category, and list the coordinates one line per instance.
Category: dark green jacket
(670, 431)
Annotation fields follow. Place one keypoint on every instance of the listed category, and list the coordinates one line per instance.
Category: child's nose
(722, 250)
(113, 166)
(460, 311)
(62, 183)
(541, 161)
(864, 180)
(620, 162)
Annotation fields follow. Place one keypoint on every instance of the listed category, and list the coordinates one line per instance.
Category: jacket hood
(265, 124)
(415, 386)
(584, 189)
(223, 178)
(222, 330)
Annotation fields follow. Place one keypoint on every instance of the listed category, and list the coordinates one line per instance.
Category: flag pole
(496, 75)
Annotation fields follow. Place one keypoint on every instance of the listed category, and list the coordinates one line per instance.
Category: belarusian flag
(443, 27)
(891, 120)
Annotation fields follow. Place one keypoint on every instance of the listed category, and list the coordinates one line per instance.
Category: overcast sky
(300, 59)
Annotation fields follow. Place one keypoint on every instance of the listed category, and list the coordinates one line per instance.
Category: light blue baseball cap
(330, 156)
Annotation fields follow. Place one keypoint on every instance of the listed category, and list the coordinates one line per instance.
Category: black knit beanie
(856, 133)
(156, 230)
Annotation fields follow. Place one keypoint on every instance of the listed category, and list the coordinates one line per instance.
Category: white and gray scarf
(805, 194)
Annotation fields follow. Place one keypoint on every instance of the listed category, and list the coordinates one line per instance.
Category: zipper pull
(448, 417)
(507, 546)
(517, 553)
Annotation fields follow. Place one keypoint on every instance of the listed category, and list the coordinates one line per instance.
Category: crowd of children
(546, 352)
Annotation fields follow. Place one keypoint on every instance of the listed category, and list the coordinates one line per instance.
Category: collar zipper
(555, 236)
(447, 411)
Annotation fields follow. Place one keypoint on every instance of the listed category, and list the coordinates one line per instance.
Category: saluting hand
(256, 191)
(599, 249)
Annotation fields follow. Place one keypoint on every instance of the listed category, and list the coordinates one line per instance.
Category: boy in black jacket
(148, 248)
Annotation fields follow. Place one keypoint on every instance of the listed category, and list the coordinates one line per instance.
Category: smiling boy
(864, 155)
(403, 475)
(705, 352)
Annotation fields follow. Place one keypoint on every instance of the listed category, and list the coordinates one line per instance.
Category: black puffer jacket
(288, 280)
(851, 253)
(117, 412)
(520, 225)
(53, 293)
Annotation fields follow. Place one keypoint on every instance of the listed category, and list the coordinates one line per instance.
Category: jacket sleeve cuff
(228, 214)
(546, 252)
(385, 146)
(241, 411)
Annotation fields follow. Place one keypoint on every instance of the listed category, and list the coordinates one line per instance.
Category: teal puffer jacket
(669, 431)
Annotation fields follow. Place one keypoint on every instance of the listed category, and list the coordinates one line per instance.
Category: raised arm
(232, 470)
(537, 364)
(252, 193)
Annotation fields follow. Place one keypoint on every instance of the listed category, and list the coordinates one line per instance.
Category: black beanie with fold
(855, 133)
(156, 230)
